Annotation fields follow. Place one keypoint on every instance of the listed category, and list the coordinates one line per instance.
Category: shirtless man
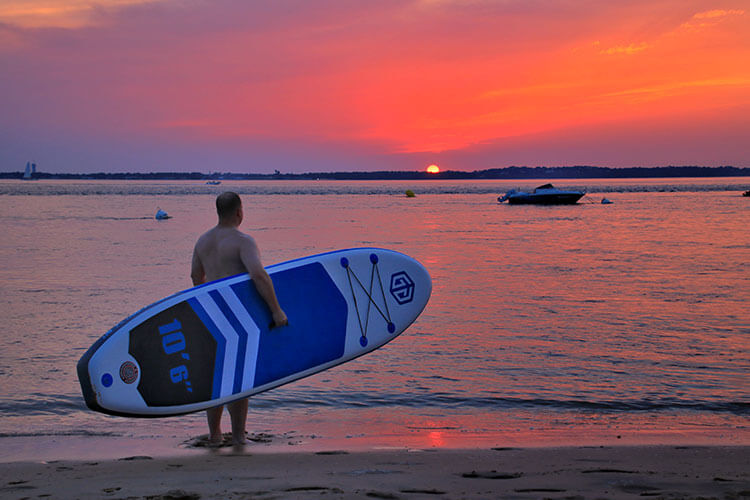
(226, 251)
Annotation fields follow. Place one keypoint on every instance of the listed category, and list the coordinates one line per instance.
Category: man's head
(229, 208)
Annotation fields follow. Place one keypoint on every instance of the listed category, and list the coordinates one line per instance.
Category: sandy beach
(570, 472)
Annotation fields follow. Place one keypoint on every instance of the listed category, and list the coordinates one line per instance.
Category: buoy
(410, 193)
(161, 215)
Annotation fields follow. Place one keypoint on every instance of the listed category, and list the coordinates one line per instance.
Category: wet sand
(569, 473)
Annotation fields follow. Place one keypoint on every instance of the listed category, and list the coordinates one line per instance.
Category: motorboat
(546, 194)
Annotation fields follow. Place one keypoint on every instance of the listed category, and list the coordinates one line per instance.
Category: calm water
(546, 324)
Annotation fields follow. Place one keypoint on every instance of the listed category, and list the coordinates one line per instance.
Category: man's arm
(250, 256)
(197, 273)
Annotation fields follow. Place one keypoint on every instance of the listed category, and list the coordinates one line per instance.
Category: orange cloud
(57, 13)
(718, 13)
(628, 50)
(677, 87)
(711, 18)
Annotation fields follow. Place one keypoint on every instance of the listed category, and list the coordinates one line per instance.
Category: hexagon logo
(402, 288)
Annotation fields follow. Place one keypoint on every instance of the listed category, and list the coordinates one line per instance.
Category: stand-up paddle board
(213, 344)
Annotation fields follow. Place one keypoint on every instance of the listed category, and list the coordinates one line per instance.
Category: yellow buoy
(410, 193)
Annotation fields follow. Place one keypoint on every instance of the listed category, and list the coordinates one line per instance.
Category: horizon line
(441, 173)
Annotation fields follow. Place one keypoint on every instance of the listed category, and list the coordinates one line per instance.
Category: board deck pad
(213, 343)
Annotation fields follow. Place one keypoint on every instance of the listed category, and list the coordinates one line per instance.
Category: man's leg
(214, 425)
(238, 415)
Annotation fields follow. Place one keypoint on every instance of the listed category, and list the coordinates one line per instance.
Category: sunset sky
(326, 85)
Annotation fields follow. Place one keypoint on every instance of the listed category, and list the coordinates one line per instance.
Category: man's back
(219, 251)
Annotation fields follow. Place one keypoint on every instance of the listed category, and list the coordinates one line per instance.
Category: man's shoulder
(205, 237)
(245, 239)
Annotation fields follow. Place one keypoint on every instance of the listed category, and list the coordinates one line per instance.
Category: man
(226, 251)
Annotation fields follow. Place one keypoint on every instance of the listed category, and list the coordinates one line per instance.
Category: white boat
(546, 194)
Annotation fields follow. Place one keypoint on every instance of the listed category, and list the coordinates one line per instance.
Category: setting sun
(433, 169)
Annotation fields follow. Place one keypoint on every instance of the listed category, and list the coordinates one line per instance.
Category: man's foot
(240, 440)
(214, 441)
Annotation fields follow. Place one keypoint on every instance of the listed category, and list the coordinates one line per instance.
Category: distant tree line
(575, 172)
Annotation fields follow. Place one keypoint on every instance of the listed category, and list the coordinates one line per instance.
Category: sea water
(590, 323)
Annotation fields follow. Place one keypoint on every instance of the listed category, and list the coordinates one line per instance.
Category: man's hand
(279, 319)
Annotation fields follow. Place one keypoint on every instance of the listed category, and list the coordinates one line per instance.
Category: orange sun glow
(433, 169)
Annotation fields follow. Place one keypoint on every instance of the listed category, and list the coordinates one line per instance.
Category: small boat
(546, 194)
(213, 183)
(746, 193)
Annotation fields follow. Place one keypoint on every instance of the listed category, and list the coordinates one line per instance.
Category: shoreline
(103, 438)
(314, 438)
(503, 472)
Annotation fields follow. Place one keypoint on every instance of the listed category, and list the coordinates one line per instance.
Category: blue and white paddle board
(212, 344)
